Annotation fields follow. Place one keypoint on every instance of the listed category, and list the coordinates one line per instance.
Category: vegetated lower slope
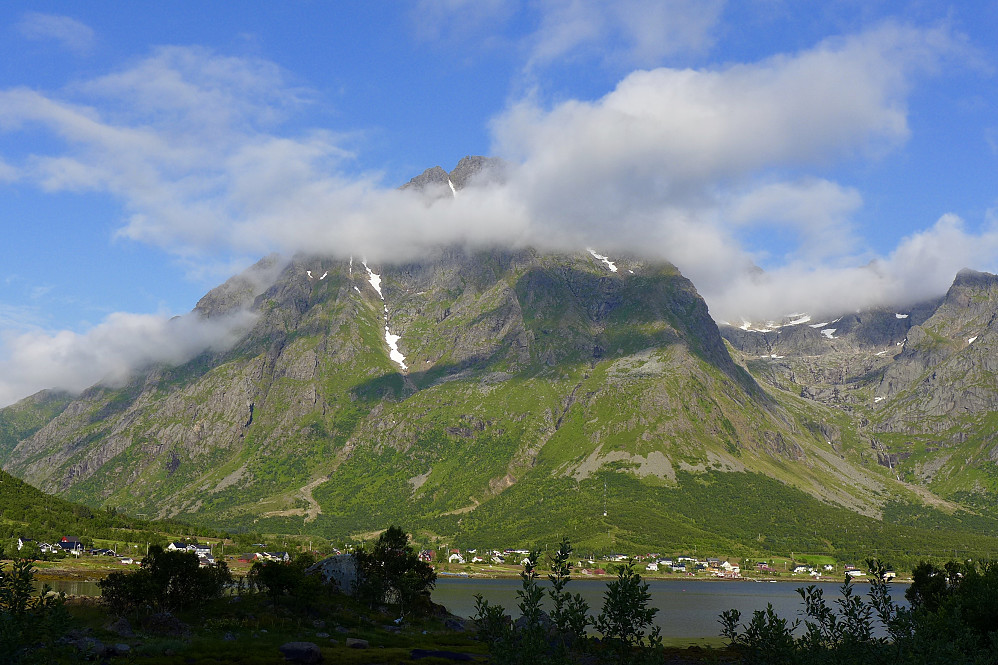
(26, 511)
(21, 420)
(918, 383)
(542, 391)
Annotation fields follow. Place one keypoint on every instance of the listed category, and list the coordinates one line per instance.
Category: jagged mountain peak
(470, 169)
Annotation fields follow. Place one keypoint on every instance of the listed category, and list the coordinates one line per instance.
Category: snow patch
(324, 275)
(309, 273)
(631, 271)
(971, 340)
(820, 325)
(356, 289)
(877, 399)
(901, 316)
(390, 339)
(880, 353)
(374, 278)
(829, 333)
(604, 259)
(804, 318)
(393, 348)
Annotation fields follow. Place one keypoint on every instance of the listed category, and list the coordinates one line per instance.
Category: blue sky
(150, 150)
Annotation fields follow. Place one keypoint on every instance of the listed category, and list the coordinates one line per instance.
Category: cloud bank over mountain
(676, 164)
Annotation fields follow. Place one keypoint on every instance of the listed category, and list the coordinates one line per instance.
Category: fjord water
(686, 608)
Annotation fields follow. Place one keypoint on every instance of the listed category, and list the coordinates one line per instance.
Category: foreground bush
(953, 619)
(27, 618)
(165, 581)
(536, 637)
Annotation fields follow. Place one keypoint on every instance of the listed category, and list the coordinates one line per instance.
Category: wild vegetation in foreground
(952, 618)
(173, 610)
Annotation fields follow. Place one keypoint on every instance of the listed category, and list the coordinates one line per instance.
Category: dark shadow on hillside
(573, 317)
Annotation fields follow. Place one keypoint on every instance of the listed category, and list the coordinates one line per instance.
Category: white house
(455, 558)
(653, 567)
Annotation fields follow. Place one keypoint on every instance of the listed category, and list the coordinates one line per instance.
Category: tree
(391, 573)
(626, 615)
(278, 578)
(166, 580)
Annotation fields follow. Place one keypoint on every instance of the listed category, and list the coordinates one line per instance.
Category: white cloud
(673, 164)
(622, 33)
(817, 210)
(636, 32)
(7, 172)
(459, 20)
(922, 266)
(109, 352)
(71, 34)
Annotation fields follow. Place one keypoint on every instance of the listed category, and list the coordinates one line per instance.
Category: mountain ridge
(530, 381)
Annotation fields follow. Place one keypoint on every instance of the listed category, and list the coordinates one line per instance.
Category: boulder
(357, 643)
(164, 623)
(455, 624)
(301, 652)
(120, 627)
(340, 570)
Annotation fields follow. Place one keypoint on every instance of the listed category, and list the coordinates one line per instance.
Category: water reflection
(686, 609)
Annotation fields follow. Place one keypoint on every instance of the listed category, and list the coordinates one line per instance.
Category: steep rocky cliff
(919, 381)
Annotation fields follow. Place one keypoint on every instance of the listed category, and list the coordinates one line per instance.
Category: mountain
(498, 397)
(918, 381)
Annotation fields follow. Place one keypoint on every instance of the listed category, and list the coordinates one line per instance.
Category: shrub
(278, 579)
(165, 581)
(626, 615)
(391, 573)
(953, 618)
(27, 618)
(569, 613)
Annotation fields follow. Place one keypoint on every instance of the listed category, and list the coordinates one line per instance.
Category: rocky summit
(507, 396)
(917, 382)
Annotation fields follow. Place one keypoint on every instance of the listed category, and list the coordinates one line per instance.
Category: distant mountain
(502, 397)
(919, 382)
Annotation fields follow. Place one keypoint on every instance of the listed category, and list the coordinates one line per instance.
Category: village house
(21, 542)
(282, 557)
(71, 543)
(455, 557)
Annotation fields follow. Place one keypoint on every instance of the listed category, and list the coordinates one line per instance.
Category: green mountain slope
(539, 391)
(916, 385)
(511, 395)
